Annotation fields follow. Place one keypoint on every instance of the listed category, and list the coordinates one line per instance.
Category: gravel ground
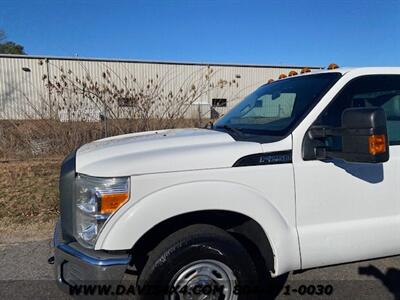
(25, 274)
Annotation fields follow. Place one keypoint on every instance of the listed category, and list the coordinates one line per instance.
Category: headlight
(96, 199)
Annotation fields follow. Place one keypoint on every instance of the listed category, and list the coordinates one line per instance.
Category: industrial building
(86, 89)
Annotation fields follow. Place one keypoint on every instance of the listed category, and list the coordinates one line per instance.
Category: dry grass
(42, 138)
(29, 179)
(28, 196)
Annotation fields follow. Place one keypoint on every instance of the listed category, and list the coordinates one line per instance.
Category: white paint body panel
(345, 211)
(161, 151)
(256, 192)
(314, 213)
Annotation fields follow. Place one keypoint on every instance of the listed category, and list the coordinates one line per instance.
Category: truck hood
(161, 151)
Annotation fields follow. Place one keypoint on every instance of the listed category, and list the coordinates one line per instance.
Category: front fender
(134, 219)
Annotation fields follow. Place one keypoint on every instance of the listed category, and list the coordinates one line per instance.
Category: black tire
(270, 287)
(191, 244)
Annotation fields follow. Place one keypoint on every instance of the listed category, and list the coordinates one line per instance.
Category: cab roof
(362, 70)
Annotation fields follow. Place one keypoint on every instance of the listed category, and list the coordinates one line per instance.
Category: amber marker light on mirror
(377, 144)
(111, 202)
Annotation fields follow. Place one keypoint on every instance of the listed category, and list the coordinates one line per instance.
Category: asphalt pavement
(25, 274)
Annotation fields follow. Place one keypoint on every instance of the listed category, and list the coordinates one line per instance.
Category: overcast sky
(315, 33)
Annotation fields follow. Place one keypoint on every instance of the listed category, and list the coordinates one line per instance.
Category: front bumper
(78, 266)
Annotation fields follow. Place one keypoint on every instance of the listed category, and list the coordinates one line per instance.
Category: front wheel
(198, 262)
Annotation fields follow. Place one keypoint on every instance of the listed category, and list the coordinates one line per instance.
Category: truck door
(350, 211)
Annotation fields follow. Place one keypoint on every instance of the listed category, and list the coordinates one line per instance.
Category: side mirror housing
(363, 138)
(366, 139)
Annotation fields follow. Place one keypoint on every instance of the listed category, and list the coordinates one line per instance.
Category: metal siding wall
(23, 95)
(89, 111)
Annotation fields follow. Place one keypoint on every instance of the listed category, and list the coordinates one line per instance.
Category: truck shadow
(390, 279)
(372, 173)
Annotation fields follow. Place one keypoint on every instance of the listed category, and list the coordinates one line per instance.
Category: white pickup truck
(303, 173)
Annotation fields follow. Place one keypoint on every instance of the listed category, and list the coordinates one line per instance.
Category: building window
(219, 102)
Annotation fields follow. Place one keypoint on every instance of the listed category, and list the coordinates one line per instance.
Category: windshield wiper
(233, 129)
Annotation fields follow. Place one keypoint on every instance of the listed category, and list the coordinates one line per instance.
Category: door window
(366, 91)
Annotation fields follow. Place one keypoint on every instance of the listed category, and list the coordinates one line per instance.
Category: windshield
(277, 107)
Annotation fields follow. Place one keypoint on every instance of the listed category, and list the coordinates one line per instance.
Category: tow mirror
(363, 137)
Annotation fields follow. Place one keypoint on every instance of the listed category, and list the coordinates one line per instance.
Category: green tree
(8, 47)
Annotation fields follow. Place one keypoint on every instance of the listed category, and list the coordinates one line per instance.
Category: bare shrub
(83, 107)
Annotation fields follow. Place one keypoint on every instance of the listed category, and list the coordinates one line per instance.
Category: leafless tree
(82, 106)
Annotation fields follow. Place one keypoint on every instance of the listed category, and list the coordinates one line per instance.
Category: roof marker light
(333, 66)
(269, 81)
(282, 76)
(305, 70)
(292, 73)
